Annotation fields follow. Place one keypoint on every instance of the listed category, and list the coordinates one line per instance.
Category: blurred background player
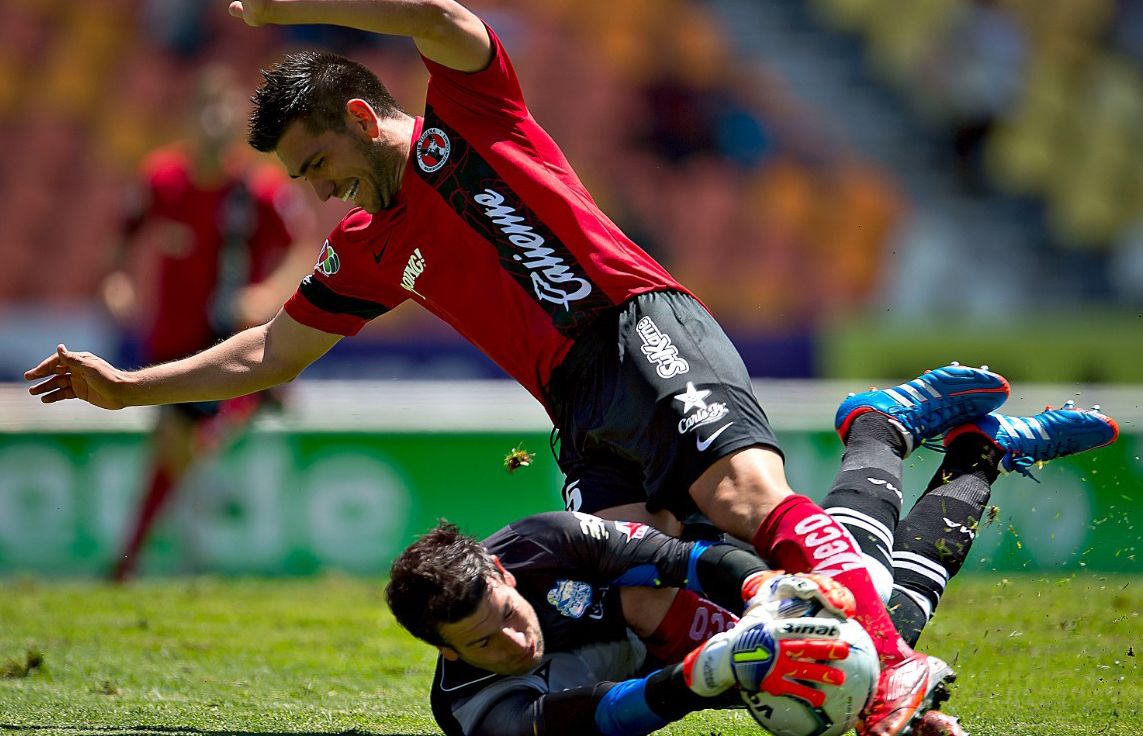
(216, 229)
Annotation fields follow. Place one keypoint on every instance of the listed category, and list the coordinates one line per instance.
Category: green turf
(1037, 656)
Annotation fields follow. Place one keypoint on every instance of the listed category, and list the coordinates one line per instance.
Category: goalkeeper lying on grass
(534, 633)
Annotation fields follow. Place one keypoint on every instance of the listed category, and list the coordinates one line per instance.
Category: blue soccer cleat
(1050, 434)
(930, 405)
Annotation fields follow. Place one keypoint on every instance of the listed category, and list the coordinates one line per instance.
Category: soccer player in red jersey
(473, 212)
(222, 227)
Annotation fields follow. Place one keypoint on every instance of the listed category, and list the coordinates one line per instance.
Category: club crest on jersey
(433, 148)
(570, 597)
(328, 262)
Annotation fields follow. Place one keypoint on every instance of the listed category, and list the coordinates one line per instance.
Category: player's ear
(448, 653)
(508, 578)
(361, 117)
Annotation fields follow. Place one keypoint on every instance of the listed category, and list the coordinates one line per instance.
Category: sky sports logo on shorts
(659, 350)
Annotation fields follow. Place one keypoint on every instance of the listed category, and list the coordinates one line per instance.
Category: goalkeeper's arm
(630, 708)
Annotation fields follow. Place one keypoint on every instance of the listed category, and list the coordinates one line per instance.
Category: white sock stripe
(924, 571)
(917, 559)
(922, 601)
(881, 575)
(1039, 428)
(898, 397)
(912, 391)
(849, 517)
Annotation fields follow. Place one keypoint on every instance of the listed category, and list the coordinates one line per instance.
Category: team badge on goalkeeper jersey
(570, 597)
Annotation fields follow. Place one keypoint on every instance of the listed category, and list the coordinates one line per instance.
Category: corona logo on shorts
(328, 262)
(433, 148)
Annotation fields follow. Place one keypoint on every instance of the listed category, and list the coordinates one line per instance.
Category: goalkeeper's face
(503, 634)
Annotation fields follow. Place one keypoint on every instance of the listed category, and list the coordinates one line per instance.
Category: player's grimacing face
(502, 636)
(341, 164)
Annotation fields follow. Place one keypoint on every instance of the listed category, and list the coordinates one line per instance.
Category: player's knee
(645, 608)
(737, 491)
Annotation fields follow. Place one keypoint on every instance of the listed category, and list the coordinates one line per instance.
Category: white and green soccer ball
(787, 715)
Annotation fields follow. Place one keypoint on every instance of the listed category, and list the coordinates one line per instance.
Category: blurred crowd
(710, 165)
(1038, 98)
(713, 165)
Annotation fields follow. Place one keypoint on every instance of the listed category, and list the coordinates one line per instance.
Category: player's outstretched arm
(444, 30)
(249, 361)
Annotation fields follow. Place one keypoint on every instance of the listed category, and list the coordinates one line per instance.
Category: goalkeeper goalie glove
(772, 594)
(769, 656)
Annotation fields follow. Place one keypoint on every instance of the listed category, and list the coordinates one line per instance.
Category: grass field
(1038, 656)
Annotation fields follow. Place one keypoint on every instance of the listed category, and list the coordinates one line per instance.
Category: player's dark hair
(440, 579)
(313, 86)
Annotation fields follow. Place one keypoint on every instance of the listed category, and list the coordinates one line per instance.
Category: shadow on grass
(162, 730)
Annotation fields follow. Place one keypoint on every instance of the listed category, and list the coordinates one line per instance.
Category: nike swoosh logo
(377, 256)
(703, 444)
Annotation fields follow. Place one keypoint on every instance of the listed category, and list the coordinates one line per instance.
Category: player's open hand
(254, 12)
(76, 376)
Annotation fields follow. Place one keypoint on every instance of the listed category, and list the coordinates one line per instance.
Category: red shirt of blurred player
(218, 222)
(219, 233)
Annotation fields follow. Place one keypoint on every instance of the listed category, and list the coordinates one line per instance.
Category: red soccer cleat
(905, 692)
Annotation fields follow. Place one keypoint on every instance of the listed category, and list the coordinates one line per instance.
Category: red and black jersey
(491, 230)
(214, 240)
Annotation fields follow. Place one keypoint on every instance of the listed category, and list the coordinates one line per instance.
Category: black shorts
(205, 411)
(649, 397)
(197, 411)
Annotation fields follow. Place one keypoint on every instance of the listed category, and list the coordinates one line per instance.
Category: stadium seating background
(795, 237)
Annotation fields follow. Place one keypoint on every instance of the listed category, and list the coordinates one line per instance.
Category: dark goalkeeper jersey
(491, 230)
(569, 566)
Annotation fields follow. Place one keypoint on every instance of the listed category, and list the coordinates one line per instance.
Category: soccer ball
(786, 715)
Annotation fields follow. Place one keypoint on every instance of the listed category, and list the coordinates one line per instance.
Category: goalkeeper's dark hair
(440, 579)
(313, 86)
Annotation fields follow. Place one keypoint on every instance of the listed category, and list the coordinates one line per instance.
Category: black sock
(934, 539)
(873, 428)
(907, 615)
(866, 493)
(669, 697)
